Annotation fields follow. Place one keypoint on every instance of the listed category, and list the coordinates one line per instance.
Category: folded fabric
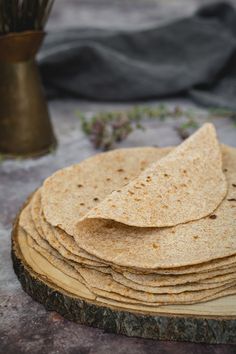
(194, 56)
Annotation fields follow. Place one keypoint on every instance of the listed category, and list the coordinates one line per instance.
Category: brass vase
(25, 128)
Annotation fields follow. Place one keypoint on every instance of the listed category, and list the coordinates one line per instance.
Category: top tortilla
(188, 184)
(140, 190)
(195, 242)
(70, 193)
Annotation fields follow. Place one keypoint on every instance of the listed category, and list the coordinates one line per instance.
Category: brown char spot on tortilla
(213, 216)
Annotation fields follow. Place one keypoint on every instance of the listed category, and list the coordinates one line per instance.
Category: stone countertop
(25, 326)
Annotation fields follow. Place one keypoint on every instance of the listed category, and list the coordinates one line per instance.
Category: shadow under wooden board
(210, 322)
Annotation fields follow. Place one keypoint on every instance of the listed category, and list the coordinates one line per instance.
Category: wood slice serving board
(210, 322)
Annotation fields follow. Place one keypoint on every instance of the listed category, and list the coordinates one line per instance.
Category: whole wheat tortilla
(215, 264)
(156, 280)
(223, 277)
(104, 282)
(186, 185)
(160, 280)
(107, 297)
(202, 270)
(52, 258)
(42, 246)
(38, 242)
(122, 299)
(52, 240)
(70, 193)
(196, 242)
(177, 288)
(177, 309)
(69, 243)
(70, 267)
(75, 272)
(35, 230)
(26, 223)
(46, 249)
(57, 238)
(67, 189)
(64, 239)
(52, 273)
(73, 269)
(206, 267)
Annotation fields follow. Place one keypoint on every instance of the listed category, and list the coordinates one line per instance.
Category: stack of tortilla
(144, 226)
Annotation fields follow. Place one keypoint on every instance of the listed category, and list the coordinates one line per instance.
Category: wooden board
(210, 322)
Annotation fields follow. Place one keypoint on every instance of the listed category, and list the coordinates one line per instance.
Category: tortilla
(57, 239)
(192, 243)
(142, 226)
(203, 267)
(42, 239)
(52, 258)
(70, 193)
(104, 282)
(175, 289)
(186, 185)
(53, 274)
(40, 266)
(71, 268)
(28, 226)
(27, 223)
(69, 243)
(211, 305)
(39, 243)
(212, 265)
(156, 280)
(75, 272)
(63, 193)
(166, 281)
(190, 270)
(52, 240)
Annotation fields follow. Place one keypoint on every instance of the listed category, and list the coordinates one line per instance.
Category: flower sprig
(104, 129)
(107, 128)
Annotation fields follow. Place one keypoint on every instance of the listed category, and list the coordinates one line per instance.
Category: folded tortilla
(186, 185)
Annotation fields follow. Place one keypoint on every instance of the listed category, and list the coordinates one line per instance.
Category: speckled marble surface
(25, 326)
